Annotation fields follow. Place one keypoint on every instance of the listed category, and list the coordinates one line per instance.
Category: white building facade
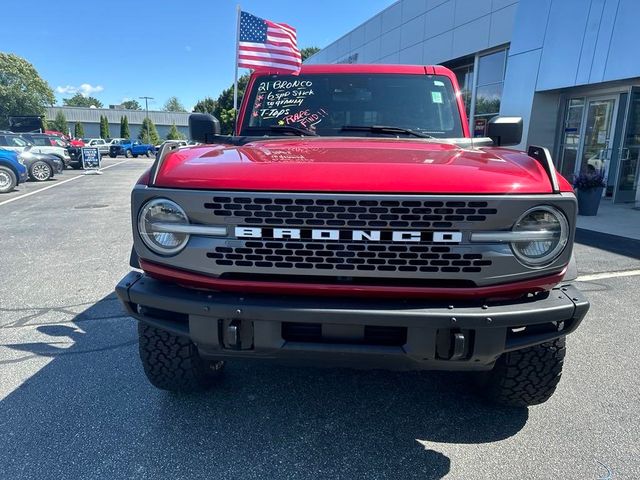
(570, 68)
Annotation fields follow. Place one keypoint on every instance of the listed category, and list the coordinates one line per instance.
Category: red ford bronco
(352, 220)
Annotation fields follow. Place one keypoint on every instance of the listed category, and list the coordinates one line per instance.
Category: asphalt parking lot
(74, 402)
(30, 187)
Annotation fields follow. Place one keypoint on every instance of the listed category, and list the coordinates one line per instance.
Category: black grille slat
(319, 212)
(383, 257)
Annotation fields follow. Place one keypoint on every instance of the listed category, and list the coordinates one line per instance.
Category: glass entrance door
(571, 137)
(596, 149)
(626, 184)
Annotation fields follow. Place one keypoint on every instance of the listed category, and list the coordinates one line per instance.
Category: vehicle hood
(7, 154)
(353, 165)
(45, 149)
(44, 156)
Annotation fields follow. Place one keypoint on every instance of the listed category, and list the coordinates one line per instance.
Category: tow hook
(233, 335)
(237, 334)
(458, 346)
(454, 344)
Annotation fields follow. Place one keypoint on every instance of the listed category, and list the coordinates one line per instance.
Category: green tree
(487, 105)
(124, 127)
(206, 105)
(224, 105)
(60, 123)
(131, 105)
(104, 127)
(148, 132)
(78, 100)
(22, 90)
(174, 133)
(307, 52)
(78, 130)
(173, 105)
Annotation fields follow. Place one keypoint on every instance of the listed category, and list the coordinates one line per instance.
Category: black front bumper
(391, 334)
(75, 156)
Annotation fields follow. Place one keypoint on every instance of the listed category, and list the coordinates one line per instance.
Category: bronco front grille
(356, 213)
(361, 257)
(376, 241)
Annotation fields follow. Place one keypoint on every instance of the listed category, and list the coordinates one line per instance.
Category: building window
(490, 80)
(571, 137)
(464, 75)
(463, 70)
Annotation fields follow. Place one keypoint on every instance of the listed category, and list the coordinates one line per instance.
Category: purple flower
(589, 180)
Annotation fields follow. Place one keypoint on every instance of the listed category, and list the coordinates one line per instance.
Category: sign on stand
(91, 160)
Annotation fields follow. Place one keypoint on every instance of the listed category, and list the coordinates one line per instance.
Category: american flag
(265, 45)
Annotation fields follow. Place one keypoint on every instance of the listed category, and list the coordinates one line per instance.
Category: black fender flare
(134, 259)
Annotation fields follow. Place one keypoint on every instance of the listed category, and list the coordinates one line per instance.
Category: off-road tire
(172, 362)
(9, 179)
(128, 154)
(525, 377)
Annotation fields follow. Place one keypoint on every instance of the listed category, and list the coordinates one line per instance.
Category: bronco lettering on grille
(348, 235)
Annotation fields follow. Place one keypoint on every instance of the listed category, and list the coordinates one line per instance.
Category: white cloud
(66, 90)
(85, 89)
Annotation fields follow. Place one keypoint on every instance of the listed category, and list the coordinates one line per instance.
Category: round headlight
(155, 222)
(545, 233)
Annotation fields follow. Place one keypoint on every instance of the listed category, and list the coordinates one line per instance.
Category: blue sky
(121, 49)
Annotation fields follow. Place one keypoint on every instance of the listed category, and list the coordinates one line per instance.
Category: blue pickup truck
(130, 148)
(12, 170)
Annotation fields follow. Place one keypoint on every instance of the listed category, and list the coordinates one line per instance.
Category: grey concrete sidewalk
(622, 220)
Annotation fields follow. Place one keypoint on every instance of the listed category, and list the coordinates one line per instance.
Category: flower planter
(589, 201)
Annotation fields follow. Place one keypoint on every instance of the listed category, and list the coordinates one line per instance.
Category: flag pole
(235, 82)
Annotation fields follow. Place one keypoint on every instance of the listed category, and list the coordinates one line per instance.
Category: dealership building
(570, 68)
(90, 120)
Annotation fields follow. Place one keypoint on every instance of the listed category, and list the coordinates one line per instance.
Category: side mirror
(505, 131)
(203, 127)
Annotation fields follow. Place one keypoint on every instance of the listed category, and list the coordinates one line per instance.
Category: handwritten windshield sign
(278, 98)
(90, 158)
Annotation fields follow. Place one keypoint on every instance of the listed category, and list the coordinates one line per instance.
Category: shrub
(589, 180)
(124, 127)
(78, 130)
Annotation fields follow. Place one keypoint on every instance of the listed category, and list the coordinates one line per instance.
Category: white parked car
(181, 143)
(17, 143)
(103, 145)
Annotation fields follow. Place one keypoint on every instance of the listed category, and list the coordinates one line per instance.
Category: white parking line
(602, 276)
(55, 185)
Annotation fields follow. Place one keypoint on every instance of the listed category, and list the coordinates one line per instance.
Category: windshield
(326, 103)
(17, 142)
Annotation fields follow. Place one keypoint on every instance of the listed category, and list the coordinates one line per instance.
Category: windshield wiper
(383, 129)
(285, 128)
